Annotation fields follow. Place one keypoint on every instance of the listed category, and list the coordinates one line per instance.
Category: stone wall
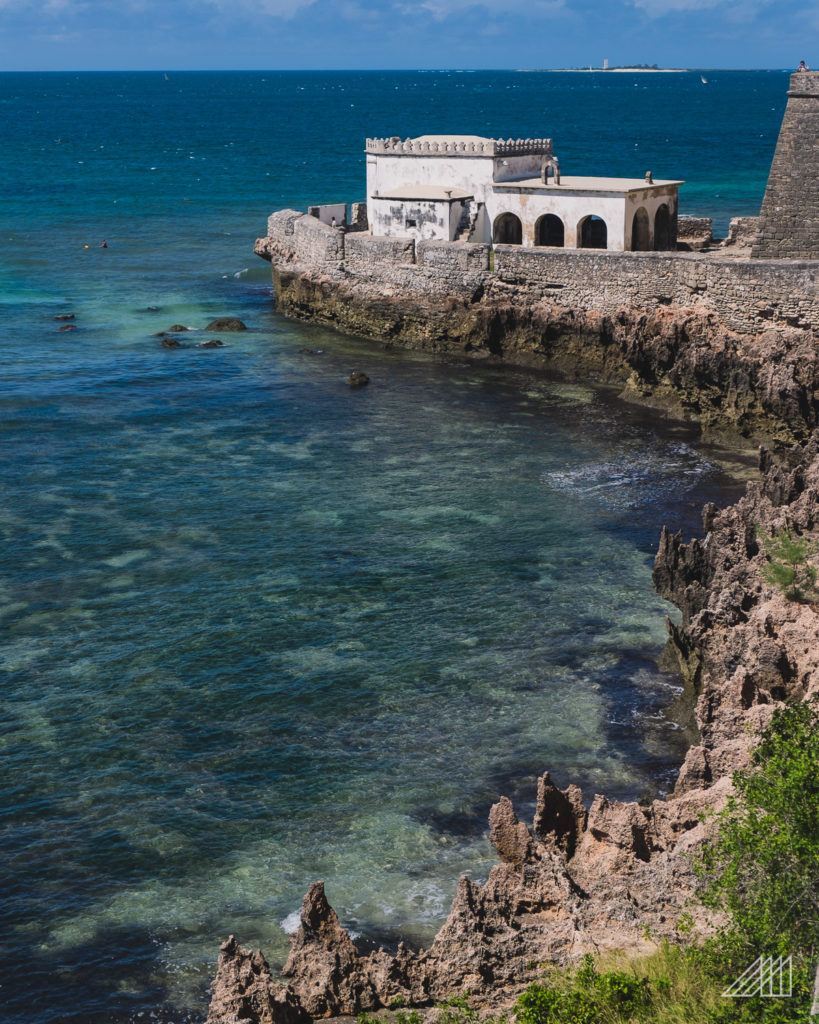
(694, 233)
(365, 254)
(789, 221)
(688, 226)
(746, 295)
(742, 231)
(453, 258)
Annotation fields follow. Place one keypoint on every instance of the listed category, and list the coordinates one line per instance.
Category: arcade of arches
(591, 232)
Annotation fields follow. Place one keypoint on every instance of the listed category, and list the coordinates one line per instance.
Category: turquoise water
(257, 628)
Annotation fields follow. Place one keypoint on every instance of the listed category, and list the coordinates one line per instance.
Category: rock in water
(67, 327)
(65, 316)
(211, 343)
(226, 323)
(357, 379)
(177, 328)
(170, 343)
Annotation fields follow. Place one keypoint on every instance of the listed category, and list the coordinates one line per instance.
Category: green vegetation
(789, 568)
(399, 1017)
(663, 988)
(762, 873)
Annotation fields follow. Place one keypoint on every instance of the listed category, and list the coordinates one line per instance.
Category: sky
(361, 34)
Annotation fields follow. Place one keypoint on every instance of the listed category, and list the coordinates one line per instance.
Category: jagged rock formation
(581, 880)
(244, 990)
(744, 646)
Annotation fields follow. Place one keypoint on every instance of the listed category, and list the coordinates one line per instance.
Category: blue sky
(160, 34)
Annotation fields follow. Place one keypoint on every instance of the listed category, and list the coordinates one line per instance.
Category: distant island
(641, 68)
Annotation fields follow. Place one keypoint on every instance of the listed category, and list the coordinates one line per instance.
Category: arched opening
(549, 230)
(550, 164)
(592, 233)
(507, 230)
(641, 231)
(662, 228)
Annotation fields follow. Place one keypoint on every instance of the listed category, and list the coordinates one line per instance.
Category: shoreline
(728, 342)
(603, 873)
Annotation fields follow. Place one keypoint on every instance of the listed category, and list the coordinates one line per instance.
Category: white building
(510, 191)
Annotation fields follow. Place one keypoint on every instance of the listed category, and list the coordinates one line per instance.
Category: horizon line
(392, 70)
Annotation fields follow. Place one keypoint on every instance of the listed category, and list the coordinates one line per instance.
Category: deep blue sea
(257, 628)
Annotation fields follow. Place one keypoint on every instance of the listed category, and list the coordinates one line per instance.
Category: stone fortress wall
(746, 295)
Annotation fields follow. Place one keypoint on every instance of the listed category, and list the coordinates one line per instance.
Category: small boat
(167, 79)
(704, 80)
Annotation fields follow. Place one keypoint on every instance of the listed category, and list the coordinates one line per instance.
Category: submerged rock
(67, 327)
(357, 379)
(226, 323)
(65, 316)
(211, 343)
(170, 343)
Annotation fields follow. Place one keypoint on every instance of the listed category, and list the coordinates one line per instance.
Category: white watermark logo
(768, 976)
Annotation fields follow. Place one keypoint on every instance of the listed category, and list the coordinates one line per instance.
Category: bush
(587, 995)
(763, 868)
(761, 871)
(788, 567)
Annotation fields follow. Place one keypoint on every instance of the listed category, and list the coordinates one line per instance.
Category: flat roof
(575, 183)
(435, 193)
(451, 138)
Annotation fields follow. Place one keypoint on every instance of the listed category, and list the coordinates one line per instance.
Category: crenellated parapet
(459, 146)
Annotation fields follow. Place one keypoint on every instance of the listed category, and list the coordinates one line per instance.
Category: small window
(411, 223)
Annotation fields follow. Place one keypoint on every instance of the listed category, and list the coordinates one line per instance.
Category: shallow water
(258, 628)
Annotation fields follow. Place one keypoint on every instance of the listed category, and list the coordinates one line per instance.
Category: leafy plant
(411, 1017)
(763, 868)
(761, 871)
(788, 567)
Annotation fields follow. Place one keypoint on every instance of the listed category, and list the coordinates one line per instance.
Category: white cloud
(440, 9)
(657, 8)
(272, 8)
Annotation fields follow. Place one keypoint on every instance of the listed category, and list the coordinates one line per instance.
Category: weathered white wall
(508, 168)
(472, 174)
(433, 218)
(332, 211)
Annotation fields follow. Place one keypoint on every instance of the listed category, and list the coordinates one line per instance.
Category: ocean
(258, 628)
